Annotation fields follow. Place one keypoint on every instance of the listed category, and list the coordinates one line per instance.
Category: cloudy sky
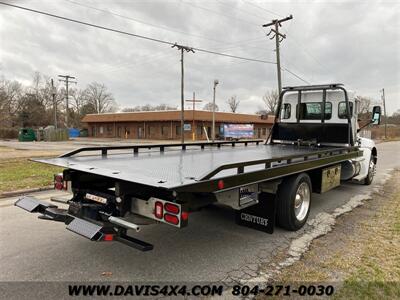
(353, 42)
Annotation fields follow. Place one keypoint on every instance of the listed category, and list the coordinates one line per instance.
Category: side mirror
(376, 115)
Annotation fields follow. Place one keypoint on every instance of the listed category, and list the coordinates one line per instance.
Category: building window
(109, 128)
(199, 130)
(151, 130)
(164, 130)
(264, 131)
(101, 130)
(178, 130)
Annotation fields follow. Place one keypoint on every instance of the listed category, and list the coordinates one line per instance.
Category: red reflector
(171, 219)
(184, 215)
(58, 186)
(172, 208)
(158, 210)
(108, 237)
(221, 184)
(58, 177)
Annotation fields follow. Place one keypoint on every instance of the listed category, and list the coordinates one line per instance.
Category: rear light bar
(169, 212)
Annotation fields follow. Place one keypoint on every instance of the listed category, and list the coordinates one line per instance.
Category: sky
(352, 42)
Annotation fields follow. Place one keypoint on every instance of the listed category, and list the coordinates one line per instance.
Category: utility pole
(194, 101)
(53, 93)
(213, 112)
(384, 110)
(279, 37)
(67, 80)
(182, 49)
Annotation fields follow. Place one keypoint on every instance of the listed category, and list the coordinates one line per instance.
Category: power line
(295, 75)
(143, 22)
(145, 37)
(218, 13)
(239, 9)
(262, 8)
(132, 34)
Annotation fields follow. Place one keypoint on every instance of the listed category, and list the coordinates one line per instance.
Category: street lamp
(213, 113)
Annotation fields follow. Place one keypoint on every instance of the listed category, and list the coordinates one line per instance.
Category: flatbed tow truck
(313, 146)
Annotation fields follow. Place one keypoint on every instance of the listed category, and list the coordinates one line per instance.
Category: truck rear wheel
(294, 201)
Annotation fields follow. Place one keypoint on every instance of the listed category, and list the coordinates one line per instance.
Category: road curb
(25, 191)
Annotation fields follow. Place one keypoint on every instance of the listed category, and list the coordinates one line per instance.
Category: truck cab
(326, 115)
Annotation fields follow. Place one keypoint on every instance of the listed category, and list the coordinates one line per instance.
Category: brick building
(166, 124)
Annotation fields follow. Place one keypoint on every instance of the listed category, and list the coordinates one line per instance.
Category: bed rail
(284, 159)
(104, 150)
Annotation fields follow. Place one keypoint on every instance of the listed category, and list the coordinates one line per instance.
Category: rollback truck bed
(116, 191)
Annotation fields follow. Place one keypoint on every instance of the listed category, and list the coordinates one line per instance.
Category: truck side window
(312, 111)
(342, 111)
(286, 111)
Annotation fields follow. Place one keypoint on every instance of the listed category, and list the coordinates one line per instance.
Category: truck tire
(294, 201)
(371, 171)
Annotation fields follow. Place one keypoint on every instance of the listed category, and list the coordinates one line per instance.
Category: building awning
(175, 115)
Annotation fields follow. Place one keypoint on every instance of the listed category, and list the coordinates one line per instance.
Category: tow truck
(312, 147)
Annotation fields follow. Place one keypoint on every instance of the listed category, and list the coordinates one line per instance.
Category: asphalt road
(210, 249)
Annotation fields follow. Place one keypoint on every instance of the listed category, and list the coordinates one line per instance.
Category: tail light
(172, 208)
(171, 219)
(158, 209)
(59, 182)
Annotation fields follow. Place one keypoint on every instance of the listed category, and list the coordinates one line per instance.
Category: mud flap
(260, 216)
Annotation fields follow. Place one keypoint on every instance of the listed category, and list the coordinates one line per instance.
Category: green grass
(378, 275)
(23, 174)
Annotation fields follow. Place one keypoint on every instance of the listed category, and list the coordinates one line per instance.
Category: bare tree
(10, 101)
(148, 107)
(233, 103)
(209, 107)
(270, 100)
(365, 104)
(97, 96)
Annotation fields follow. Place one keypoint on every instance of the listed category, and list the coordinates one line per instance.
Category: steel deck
(181, 167)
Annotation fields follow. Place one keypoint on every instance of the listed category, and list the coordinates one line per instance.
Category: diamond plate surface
(30, 204)
(174, 167)
(84, 228)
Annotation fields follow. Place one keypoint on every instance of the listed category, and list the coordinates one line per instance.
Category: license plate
(96, 198)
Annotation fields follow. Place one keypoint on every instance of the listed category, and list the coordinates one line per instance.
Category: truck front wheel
(294, 201)
(371, 171)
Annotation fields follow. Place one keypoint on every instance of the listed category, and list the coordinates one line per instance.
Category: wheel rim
(302, 201)
(371, 171)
